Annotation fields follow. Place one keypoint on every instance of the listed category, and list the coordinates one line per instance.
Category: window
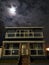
(16, 46)
(22, 35)
(26, 33)
(15, 52)
(31, 45)
(6, 46)
(11, 49)
(7, 52)
(11, 30)
(36, 48)
(17, 35)
(36, 45)
(38, 34)
(33, 52)
(40, 52)
(37, 29)
(30, 33)
(22, 31)
(40, 45)
(11, 35)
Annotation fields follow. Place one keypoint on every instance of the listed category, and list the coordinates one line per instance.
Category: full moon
(12, 11)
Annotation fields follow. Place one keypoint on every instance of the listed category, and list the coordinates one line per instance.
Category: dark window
(37, 34)
(40, 45)
(17, 31)
(10, 30)
(16, 46)
(33, 52)
(26, 35)
(15, 52)
(11, 35)
(30, 34)
(17, 34)
(37, 29)
(6, 46)
(35, 45)
(22, 31)
(22, 35)
(7, 52)
(40, 52)
(31, 45)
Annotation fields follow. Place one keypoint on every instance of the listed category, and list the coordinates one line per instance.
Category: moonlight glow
(12, 11)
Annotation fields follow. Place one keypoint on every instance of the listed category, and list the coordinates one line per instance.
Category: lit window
(14, 52)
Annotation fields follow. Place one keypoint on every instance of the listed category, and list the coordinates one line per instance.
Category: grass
(8, 61)
(41, 61)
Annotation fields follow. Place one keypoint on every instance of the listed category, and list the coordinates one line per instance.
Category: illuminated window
(14, 52)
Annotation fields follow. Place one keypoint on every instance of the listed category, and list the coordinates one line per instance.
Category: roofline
(24, 27)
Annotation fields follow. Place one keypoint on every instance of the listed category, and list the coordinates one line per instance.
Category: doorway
(24, 49)
(24, 58)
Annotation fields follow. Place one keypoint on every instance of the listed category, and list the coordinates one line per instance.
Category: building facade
(27, 42)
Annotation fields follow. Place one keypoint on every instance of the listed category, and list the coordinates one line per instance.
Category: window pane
(11, 35)
(33, 52)
(35, 45)
(10, 30)
(17, 31)
(26, 35)
(22, 31)
(6, 46)
(40, 45)
(16, 46)
(40, 52)
(7, 52)
(17, 35)
(31, 45)
(37, 34)
(15, 52)
(22, 35)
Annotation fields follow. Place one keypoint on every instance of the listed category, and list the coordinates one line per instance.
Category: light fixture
(47, 49)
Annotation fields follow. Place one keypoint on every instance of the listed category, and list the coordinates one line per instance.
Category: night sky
(27, 13)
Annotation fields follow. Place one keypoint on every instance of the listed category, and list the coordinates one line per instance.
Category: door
(24, 49)
(24, 54)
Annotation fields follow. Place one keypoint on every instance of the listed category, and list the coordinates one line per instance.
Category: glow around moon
(12, 11)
